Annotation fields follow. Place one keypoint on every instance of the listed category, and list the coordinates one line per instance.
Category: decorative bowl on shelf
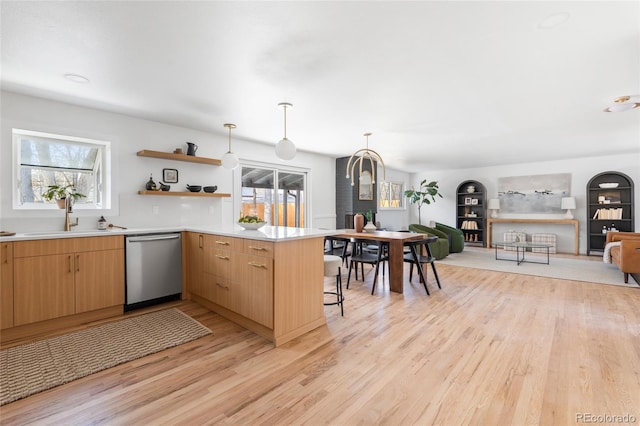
(210, 189)
(609, 185)
(194, 188)
(252, 225)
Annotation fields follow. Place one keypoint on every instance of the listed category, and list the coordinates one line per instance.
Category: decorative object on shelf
(285, 149)
(164, 187)
(230, 160)
(426, 194)
(358, 222)
(568, 204)
(102, 223)
(170, 175)
(608, 185)
(361, 155)
(471, 188)
(474, 201)
(494, 205)
(194, 188)
(467, 201)
(624, 103)
(150, 185)
(191, 148)
(210, 189)
(178, 151)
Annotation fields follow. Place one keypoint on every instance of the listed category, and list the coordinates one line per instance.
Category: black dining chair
(362, 252)
(337, 246)
(416, 257)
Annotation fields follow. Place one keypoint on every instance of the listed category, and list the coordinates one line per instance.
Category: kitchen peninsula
(269, 281)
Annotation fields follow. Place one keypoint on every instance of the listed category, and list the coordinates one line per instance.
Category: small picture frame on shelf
(474, 201)
(170, 175)
(467, 201)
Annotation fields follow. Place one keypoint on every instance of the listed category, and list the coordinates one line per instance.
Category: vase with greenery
(59, 193)
(425, 194)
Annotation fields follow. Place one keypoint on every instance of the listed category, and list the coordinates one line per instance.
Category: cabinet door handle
(77, 263)
(222, 286)
(222, 243)
(258, 265)
(70, 260)
(222, 257)
(200, 241)
(257, 248)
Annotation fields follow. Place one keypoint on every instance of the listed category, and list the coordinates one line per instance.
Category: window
(43, 159)
(391, 195)
(277, 196)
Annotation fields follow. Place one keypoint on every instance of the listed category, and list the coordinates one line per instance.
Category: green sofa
(439, 249)
(456, 237)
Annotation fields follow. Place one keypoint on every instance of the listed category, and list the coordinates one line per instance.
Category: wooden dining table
(396, 251)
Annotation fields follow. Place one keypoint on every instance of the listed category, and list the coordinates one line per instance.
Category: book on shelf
(605, 214)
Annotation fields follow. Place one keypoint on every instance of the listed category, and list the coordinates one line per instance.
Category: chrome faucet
(68, 208)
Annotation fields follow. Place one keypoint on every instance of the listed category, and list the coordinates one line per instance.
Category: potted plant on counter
(60, 193)
(426, 194)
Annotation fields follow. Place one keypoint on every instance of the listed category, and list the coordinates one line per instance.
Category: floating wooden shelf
(184, 194)
(179, 157)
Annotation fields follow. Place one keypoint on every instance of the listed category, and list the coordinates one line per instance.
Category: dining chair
(416, 257)
(361, 253)
(337, 246)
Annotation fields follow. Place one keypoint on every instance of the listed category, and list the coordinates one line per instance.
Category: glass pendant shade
(285, 149)
(230, 160)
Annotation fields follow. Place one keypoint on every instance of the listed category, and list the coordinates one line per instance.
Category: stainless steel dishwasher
(154, 269)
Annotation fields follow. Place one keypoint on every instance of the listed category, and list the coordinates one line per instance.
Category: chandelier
(361, 156)
(624, 103)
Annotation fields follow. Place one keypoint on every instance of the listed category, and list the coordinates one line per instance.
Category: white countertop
(266, 233)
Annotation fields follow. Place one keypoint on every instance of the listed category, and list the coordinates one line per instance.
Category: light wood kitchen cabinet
(56, 278)
(272, 288)
(194, 262)
(6, 285)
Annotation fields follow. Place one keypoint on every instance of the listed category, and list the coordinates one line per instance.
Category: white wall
(581, 169)
(130, 172)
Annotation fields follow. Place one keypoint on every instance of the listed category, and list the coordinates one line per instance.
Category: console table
(574, 222)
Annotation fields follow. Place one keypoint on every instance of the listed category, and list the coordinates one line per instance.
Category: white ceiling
(440, 84)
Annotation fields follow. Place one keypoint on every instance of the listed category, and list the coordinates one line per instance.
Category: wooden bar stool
(332, 265)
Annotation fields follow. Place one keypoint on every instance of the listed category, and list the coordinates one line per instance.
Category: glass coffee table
(521, 248)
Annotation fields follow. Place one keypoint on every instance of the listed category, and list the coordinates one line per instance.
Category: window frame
(402, 198)
(101, 172)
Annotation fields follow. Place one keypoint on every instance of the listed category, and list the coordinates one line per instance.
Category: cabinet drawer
(66, 245)
(219, 262)
(222, 242)
(258, 248)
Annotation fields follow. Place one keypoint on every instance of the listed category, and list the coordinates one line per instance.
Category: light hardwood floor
(488, 349)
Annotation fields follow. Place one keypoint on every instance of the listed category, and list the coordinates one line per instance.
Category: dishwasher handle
(153, 238)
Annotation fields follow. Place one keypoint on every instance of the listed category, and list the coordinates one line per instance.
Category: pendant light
(361, 156)
(285, 149)
(624, 103)
(230, 160)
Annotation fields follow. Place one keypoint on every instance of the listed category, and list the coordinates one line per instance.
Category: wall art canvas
(533, 194)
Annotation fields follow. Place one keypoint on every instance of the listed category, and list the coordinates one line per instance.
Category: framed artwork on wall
(170, 175)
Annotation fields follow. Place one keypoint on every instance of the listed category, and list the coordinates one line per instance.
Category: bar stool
(332, 265)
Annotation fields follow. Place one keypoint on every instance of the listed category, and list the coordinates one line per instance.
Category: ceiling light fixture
(230, 160)
(76, 78)
(624, 103)
(285, 149)
(361, 156)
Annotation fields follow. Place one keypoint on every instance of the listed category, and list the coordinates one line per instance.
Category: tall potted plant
(425, 194)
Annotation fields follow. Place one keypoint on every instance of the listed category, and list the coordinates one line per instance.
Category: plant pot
(370, 227)
(60, 203)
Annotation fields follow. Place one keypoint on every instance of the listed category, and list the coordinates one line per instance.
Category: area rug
(568, 268)
(33, 367)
